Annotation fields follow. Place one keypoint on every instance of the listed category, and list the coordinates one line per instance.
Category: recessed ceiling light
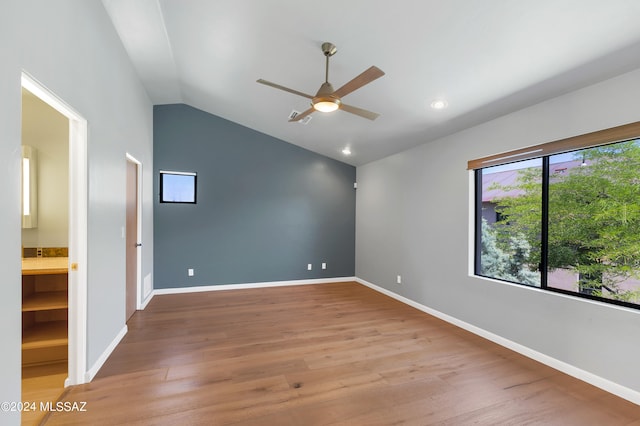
(346, 151)
(439, 104)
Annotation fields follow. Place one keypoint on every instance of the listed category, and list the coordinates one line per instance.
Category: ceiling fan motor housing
(324, 100)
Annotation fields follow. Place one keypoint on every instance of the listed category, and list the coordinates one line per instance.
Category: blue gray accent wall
(265, 208)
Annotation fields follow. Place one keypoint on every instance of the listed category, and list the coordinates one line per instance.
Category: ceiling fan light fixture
(326, 104)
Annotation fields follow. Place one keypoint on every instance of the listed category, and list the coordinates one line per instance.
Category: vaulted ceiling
(484, 58)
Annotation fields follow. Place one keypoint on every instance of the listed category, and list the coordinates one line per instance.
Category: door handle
(138, 244)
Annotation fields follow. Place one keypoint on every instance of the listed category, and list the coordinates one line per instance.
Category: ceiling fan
(327, 99)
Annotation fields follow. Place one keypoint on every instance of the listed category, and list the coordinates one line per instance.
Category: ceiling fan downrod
(329, 50)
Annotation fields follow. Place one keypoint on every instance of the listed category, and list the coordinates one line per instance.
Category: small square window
(178, 187)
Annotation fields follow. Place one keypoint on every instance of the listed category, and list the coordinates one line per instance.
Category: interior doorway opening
(133, 236)
(76, 253)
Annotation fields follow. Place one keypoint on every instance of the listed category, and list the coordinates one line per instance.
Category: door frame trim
(78, 242)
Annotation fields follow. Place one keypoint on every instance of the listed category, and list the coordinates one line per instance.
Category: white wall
(71, 47)
(413, 215)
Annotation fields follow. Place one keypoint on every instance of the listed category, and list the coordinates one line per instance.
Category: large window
(567, 220)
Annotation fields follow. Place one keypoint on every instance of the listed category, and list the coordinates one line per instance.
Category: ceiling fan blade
(286, 89)
(302, 115)
(359, 111)
(365, 78)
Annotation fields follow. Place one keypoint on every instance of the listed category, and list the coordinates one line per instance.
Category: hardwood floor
(330, 354)
(41, 383)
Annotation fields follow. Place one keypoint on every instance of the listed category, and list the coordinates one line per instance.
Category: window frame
(544, 151)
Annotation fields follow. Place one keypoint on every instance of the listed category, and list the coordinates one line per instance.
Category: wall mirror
(29, 187)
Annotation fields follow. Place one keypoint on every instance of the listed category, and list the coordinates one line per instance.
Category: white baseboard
(600, 382)
(89, 375)
(179, 290)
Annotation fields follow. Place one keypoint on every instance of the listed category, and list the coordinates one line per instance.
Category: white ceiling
(485, 58)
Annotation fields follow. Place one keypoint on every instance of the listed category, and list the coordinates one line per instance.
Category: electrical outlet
(190, 272)
(399, 279)
(309, 266)
(324, 265)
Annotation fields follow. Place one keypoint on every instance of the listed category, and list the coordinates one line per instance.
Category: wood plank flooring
(41, 383)
(330, 354)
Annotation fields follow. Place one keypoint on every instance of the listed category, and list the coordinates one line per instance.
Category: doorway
(133, 237)
(76, 251)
